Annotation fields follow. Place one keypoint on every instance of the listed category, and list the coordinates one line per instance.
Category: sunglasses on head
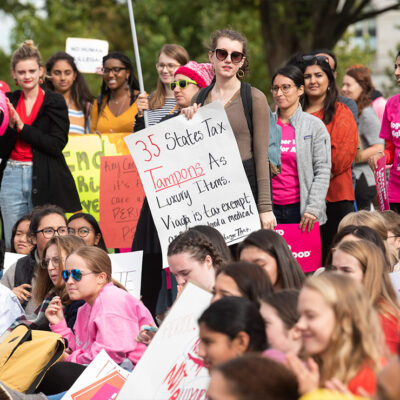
(236, 56)
(182, 83)
(309, 59)
(76, 274)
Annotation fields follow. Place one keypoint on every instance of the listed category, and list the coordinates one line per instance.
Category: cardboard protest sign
(305, 246)
(83, 155)
(101, 380)
(192, 174)
(381, 184)
(121, 198)
(395, 278)
(88, 53)
(170, 368)
(127, 269)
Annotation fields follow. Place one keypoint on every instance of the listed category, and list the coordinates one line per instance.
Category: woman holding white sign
(228, 55)
(300, 189)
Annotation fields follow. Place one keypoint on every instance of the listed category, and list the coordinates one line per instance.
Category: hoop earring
(16, 82)
(240, 74)
(41, 81)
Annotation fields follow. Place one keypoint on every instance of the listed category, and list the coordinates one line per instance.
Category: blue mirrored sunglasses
(76, 274)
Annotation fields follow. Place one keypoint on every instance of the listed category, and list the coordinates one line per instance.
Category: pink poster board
(305, 246)
(381, 184)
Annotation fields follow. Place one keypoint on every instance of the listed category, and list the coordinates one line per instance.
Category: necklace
(118, 113)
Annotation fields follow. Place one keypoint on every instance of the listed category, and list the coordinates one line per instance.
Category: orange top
(344, 139)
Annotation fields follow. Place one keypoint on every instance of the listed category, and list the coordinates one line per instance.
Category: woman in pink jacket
(109, 320)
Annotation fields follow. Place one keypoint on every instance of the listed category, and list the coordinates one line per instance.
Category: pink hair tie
(4, 110)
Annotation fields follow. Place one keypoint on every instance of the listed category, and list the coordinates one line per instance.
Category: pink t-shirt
(390, 131)
(285, 186)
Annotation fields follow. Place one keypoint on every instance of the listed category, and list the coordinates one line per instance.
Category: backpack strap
(245, 94)
(203, 93)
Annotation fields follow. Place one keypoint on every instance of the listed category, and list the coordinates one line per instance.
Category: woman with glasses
(188, 80)
(321, 100)
(46, 222)
(228, 55)
(110, 318)
(49, 283)
(162, 100)
(300, 189)
(115, 108)
(33, 168)
(86, 227)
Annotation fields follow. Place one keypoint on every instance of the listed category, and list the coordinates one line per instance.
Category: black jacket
(52, 181)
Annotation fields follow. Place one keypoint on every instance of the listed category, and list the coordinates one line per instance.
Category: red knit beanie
(201, 73)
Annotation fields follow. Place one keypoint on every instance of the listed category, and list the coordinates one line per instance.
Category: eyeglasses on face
(236, 56)
(76, 274)
(182, 83)
(49, 232)
(115, 70)
(285, 89)
(170, 66)
(81, 232)
(55, 261)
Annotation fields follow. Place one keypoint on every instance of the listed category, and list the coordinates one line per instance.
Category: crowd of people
(271, 331)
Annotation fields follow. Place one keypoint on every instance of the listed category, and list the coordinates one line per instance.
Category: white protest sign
(88, 53)
(395, 277)
(170, 368)
(127, 269)
(192, 174)
(101, 379)
(11, 258)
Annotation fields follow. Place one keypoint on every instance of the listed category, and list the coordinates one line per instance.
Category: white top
(10, 308)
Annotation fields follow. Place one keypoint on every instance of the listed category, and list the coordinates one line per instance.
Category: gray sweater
(313, 156)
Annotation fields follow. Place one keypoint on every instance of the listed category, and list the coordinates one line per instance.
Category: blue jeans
(287, 214)
(15, 195)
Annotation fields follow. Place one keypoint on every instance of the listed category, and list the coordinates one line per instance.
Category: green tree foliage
(275, 28)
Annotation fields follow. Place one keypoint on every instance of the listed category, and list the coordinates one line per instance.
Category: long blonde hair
(178, 53)
(376, 278)
(44, 286)
(357, 337)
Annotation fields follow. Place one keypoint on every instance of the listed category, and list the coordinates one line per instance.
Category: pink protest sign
(381, 184)
(305, 246)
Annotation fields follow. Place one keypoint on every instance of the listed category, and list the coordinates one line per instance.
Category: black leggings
(60, 377)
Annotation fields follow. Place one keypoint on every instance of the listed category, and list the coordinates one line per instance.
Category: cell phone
(151, 329)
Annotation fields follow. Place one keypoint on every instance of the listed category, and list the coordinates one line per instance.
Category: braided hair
(198, 245)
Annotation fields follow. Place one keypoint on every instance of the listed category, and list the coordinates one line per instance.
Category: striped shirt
(76, 121)
(156, 115)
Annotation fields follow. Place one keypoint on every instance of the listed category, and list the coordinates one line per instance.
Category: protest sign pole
(137, 56)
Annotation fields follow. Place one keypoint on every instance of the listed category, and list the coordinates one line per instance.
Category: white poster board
(127, 269)
(395, 278)
(170, 368)
(102, 379)
(88, 53)
(11, 258)
(192, 174)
